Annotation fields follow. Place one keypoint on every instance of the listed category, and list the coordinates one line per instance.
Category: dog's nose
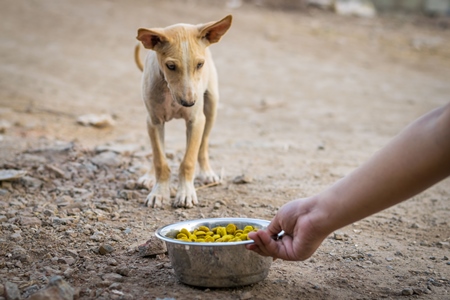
(186, 104)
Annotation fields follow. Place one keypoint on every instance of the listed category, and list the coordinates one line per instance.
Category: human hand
(301, 235)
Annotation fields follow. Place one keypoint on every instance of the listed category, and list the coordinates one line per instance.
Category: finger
(266, 245)
(274, 227)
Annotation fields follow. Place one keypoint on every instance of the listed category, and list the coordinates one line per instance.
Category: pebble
(389, 258)
(115, 286)
(12, 291)
(108, 159)
(112, 277)
(68, 273)
(414, 226)
(130, 184)
(6, 174)
(31, 182)
(30, 221)
(66, 260)
(97, 236)
(443, 244)
(96, 120)
(124, 149)
(407, 292)
(71, 253)
(19, 253)
(242, 179)
(338, 235)
(152, 247)
(246, 296)
(30, 290)
(112, 262)
(123, 270)
(105, 249)
(15, 236)
(59, 221)
(57, 289)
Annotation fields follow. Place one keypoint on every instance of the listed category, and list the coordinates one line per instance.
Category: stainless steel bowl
(225, 264)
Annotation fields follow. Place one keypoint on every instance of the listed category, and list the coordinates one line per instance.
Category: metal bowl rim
(161, 236)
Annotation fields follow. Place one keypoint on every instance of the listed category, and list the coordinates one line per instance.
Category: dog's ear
(151, 38)
(213, 31)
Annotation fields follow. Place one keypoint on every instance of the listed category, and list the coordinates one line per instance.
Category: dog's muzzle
(186, 104)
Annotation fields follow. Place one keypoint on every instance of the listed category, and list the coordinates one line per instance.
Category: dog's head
(181, 52)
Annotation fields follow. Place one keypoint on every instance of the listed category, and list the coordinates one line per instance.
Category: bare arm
(411, 162)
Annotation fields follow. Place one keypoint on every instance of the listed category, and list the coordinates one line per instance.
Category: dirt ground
(305, 98)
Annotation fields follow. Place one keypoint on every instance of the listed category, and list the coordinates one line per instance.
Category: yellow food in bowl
(218, 234)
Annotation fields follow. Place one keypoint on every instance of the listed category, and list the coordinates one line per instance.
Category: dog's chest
(169, 109)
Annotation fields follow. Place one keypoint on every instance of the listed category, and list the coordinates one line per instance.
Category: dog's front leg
(186, 195)
(161, 189)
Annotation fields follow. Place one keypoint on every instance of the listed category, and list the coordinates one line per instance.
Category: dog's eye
(171, 67)
(199, 65)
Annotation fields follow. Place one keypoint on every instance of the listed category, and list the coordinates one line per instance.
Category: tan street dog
(180, 81)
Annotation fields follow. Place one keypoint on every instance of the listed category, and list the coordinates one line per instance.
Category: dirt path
(305, 98)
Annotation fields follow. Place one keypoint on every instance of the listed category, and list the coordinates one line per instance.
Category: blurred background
(292, 73)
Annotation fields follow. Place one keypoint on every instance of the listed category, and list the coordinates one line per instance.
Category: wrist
(317, 223)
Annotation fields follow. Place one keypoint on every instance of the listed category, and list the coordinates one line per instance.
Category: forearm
(414, 160)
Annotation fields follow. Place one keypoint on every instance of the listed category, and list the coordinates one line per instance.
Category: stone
(130, 184)
(152, 247)
(414, 226)
(15, 236)
(71, 252)
(108, 159)
(30, 290)
(124, 149)
(123, 270)
(407, 292)
(96, 120)
(31, 182)
(358, 8)
(112, 262)
(338, 235)
(57, 289)
(443, 245)
(242, 179)
(105, 249)
(112, 277)
(12, 291)
(30, 221)
(246, 296)
(7, 174)
(66, 260)
(68, 273)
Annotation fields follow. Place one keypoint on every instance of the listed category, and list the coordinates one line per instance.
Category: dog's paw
(186, 196)
(208, 176)
(146, 181)
(159, 194)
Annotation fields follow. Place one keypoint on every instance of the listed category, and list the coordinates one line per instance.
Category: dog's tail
(137, 58)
